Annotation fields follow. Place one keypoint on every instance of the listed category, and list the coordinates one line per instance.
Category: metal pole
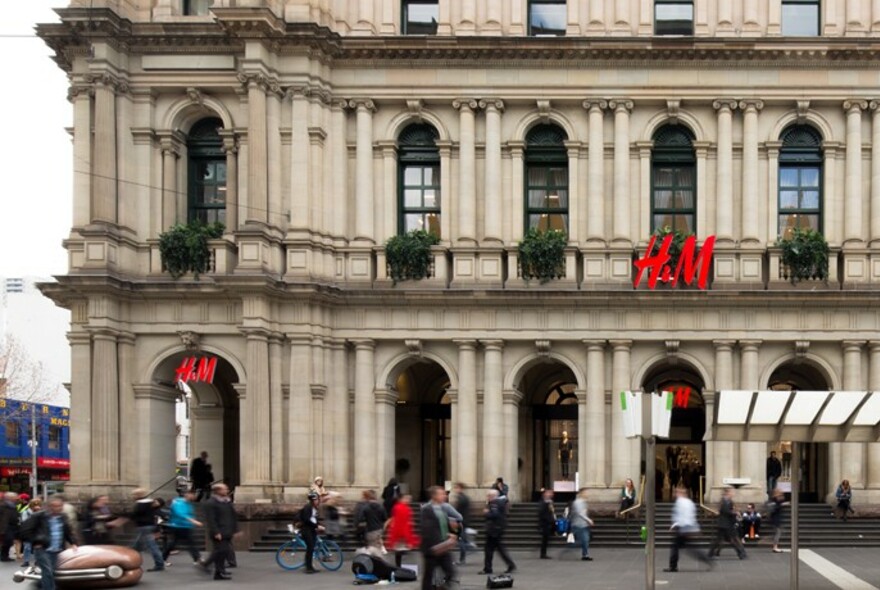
(795, 510)
(650, 460)
(34, 451)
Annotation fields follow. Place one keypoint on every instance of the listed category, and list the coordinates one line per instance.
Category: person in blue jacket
(181, 524)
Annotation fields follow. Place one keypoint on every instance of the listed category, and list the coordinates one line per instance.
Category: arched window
(418, 185)
(207, 172)
(800, 180)
(546, 178)
(674, 180)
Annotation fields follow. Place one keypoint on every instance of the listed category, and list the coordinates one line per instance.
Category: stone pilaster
(170, 146)
(365, 458)
(104, 199)
(339, 181)
(466, 430)
(467, 157)
(750, 201)
(873, 477)
(724, 453)
(492, 196)
(625, 454)
(622, 219)
(364, 220)
(275, 210)
(277, 466)
(339, 406)
(752, 455)
(493, 411)
(231, 149)
(257, 179)
(299, 428)
(595, 185)
(510, 474)
(256, 425)
(80, 407)
(386, 403)
(592, 437)
(299, 157)
(852, 455)
(81, 95)
(724, 170)
(853, 211)
(105, 407)
(128, 418)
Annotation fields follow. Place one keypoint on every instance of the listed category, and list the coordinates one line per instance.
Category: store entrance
(556, 425)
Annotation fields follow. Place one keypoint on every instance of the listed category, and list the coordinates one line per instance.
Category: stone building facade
(318, 129)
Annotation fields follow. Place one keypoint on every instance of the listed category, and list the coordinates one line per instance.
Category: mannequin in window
(786, 458)
(565, 449)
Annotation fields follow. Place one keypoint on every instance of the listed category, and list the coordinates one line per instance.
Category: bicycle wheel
(329, 555)
(292, 554)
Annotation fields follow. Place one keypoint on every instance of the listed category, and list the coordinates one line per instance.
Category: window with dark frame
(54, 439)
(800, 180)
(196, 7)
(801, 18)
(12, 434)
(547, 18)
(674, 17)
(546, 178)
(674, 180)
(418, 185)
(420, 17)
(207, 172)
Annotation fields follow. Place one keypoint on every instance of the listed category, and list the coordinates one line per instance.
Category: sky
(36, 151)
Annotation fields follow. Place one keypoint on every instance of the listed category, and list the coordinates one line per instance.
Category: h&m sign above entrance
(666, 265)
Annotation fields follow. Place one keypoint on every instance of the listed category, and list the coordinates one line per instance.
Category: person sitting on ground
(844, 499)
(751, 521)
(627, 496)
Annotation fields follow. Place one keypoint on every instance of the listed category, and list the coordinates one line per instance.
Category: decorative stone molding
(250, 80)
(512, 397)
(803, 108)
(319, 391)
(543, 347)
(751, 103)
(544, 110)
(415, 106)
(386, 396)
(672, 350)
(492, 103)
(595, 103)
(724, 103)
(195, 96)
(750, 345)
(77, 90)
(875, 106)
(191, 340)
(621, 104)
(414, 346)
(672, 110)
(492, 344)
(362, 103)
(299, 91)
(855, 104)
(465, 103)
(801, 347)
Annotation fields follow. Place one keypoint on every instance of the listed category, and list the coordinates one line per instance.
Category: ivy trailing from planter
(675, 247)
(542, 255)
(408, 256)
(805, 255)
(184, 247)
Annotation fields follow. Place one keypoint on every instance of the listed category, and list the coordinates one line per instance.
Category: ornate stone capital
(751, 104)
(465, 103)
(721, 104)
(620, 344)
(492, 344)
(594, 344)
(492, 104)
(190, 340)
(621, 105)
(298, 91)
(318, 391)
(750, 345)
(874, 105)
(599, 104)
(251, 80)
(102, 79)
(724, 344)
(852, 345)
(362, 104)
(338, 103)
(77, 90)
(855, 105)
(465, 344)
(364, 344)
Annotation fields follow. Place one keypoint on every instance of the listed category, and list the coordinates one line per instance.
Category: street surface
(613, 569)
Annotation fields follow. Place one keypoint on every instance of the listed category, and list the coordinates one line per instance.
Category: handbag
(562, 526)
(569, 539)
(444, 547)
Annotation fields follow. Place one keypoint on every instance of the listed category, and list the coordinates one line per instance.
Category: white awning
(798, 416)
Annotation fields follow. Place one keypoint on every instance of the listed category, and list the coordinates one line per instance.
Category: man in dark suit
(435, 534)
(309, 528)
(726, 531)
(774, 471)
(222, 526)
(496, 524)
(201, 476)
(546, 521)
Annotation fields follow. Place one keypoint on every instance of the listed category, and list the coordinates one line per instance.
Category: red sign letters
(680, 397)
(196, 370)
(690, 260)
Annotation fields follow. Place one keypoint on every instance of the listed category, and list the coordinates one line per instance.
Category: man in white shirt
(686, 527)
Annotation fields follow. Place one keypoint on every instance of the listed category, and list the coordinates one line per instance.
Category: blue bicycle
(292, 554)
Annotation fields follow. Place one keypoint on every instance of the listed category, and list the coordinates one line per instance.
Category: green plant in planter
(184, 247)
(675, 247)
(805, 255)
(408, 256)
(542, 255)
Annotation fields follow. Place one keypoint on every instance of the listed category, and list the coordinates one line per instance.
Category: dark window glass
(547, 17)
(800, 180)
(54, 440)
(196, 7)
(800, 18)
(11, 434)
(673, 17)
(673, 180)
(546, 179)
(419, 179)
(420, 17)
(207, 172)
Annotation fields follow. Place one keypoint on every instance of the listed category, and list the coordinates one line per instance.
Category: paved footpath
(613, 569)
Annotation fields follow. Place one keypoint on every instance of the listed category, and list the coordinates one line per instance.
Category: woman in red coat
(401, 536)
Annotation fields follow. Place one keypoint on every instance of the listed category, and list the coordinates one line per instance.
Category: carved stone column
(104, 199)
(853, 212)
(81, 96)
(170, 191)
(752, 455)
(339, 180)
(466, 203)
(576, 208)
(624, 453)
(466, 429)
(300, 171)
(873, 478)
(80, 407)
(105, 408)
(875, 167)
(852, 455)
(365, 459)
(596, 170)
(622, 220)
(299, 428)
(723, 453)
(750, 209)
(277, 466)
(364, 222)
(591, 433)
(492, 195)
(493, 411)
(256, 424)
(724, 170)
(258, 152)
(386, 402)
(596, 23)
(339, 406)
(512, 400)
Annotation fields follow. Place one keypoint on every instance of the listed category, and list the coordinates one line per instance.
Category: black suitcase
(500, 581)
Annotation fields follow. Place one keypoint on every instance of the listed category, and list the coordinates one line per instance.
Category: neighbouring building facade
(316, 130)
(52, 438)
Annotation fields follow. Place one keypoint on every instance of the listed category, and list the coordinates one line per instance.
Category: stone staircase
(817, 529)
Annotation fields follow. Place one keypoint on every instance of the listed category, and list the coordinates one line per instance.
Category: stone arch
(552, 116)
(400, 363)
(515, 375)
(662, 118)
(817, 362)
(662, 358)
(401, 120)
(812, 118)
(185, 112)
(166, 353)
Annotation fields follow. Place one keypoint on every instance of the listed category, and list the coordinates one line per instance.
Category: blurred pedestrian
(401, 536)
(145, 519)
(34, 506)
(496, 525)
(774, 508)
(686, 528)
(96, 525)
(48, 532)
(581, 523)
(201, 475)
(370, 517)
(437, 540)
(309, 528)
(390, 495)
(222, 523)
(546, 521)
(462, 504)
(181, 522)
(318, 488)
(726, 527)
(9, 524)
(773, 472)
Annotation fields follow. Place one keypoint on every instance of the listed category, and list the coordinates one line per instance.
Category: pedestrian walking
(774, 471)
(48, 532)
(145, 519)
(370, 517)
(222, 523)
(181, 522)
(844, 499)
(685, 527)
(21, 505)
(437, 541)
(390, 495)
(34, 506)
(9, 524)
(96, 524)
(201, 475)
(333, 516)
(462, 504)
(309, 528)
(401, 537)
(774, 509)
(725, 531)
(546, 521)
(581, 523)
(496, 525)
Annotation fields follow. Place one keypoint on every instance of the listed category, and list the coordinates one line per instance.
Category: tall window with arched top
(674, 180)
(206, 190)
(418, 179)
(800, 180)
(546, 178)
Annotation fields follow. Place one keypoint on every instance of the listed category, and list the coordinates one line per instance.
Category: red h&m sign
(196, 370)
(660, 267)
(680, 397)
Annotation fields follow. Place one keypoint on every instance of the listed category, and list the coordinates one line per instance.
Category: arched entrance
(422, 454)
(802, 376)
(206, 414)
(550, 405)
(681, 458)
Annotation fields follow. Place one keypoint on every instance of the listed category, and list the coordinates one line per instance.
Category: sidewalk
(613, 569)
